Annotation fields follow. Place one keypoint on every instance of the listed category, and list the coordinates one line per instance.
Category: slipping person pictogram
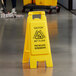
(39, 35)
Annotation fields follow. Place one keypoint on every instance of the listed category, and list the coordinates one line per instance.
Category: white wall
(74, 4)
(64, 3)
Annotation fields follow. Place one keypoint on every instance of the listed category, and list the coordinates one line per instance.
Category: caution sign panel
(37, 46)
(39, 37)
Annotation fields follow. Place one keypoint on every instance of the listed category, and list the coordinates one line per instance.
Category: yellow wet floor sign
(37, 45)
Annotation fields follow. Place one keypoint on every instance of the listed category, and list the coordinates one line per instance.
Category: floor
(74, 12)
(62, 32)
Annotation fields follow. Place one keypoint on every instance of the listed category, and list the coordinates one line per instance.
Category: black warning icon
(39, 35)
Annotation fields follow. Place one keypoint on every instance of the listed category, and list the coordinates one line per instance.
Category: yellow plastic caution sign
(37, 45)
